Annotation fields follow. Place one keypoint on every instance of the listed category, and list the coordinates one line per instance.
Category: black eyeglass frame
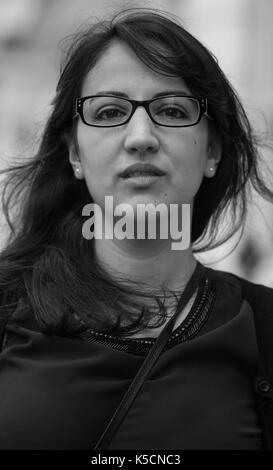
(203, 106)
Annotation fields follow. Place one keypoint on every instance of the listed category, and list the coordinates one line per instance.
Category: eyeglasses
(167, 111)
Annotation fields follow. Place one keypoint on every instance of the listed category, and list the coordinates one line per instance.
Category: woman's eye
(110, 113)
(172, 112)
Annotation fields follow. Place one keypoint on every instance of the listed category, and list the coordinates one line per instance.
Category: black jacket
(260, 299)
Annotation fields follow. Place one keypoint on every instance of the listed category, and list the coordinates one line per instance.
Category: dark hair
(45, 263)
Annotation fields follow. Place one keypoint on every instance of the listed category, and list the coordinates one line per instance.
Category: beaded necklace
(188, 328)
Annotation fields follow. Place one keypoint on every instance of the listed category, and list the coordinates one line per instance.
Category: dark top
(59, 393)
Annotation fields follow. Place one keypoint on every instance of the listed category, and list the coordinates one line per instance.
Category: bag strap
(3, 322)
(147, 365)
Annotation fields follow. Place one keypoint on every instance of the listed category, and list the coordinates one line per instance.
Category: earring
(78, 174)
(211, 168)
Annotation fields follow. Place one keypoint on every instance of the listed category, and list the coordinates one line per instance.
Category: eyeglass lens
(170, 111)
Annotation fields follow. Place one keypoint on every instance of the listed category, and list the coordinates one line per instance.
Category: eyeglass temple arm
(75, 111)
(206, 111)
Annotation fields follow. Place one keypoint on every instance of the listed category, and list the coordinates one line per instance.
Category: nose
(140, 135)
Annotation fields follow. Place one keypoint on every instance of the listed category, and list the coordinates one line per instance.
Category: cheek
(191, 154)
(97, 165)
(91, 156)
(189, 166)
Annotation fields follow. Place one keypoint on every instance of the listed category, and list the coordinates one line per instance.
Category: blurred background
(238, 32)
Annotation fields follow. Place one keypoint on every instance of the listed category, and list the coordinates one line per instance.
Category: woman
(143, 114)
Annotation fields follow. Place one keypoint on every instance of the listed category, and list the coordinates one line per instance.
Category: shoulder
(258, 296)
(234, 281)
(17, 312)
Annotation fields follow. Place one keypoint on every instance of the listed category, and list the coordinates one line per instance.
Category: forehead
(119, 69)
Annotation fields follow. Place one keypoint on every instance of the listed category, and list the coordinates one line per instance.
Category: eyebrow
(156, 95)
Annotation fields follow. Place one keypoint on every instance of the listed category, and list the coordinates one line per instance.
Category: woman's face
(184, 155)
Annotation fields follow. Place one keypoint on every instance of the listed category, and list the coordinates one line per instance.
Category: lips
(139, 169)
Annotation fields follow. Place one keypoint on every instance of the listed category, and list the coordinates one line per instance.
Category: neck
(149, 261)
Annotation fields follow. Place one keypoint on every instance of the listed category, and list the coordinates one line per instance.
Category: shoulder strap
(3, 322)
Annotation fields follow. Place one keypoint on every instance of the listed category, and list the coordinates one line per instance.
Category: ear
(214, 153)
(74, 156)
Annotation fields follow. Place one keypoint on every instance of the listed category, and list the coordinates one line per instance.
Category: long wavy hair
(47, 264)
